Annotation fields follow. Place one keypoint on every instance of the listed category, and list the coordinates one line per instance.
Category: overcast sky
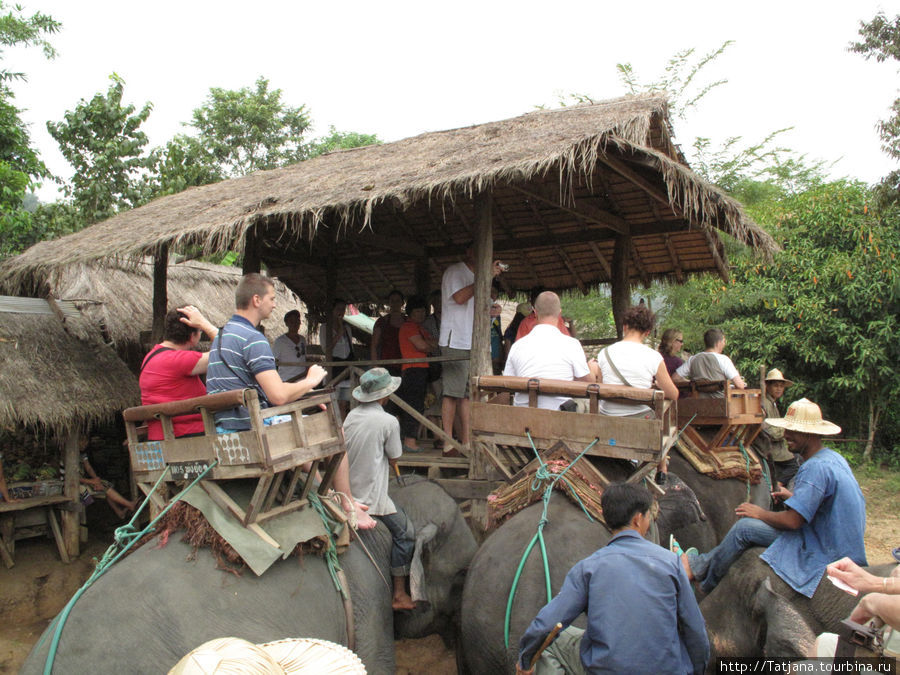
(398, 69)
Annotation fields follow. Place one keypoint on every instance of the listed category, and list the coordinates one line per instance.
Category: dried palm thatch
(119, 296)
(586, 172)
(58, 375)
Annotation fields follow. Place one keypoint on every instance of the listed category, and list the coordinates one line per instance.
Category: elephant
(753, 613)
(153, 607)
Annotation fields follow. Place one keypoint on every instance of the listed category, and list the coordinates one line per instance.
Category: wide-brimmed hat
(523, 308)
(806, 417)
(775, 375)
(375, 384)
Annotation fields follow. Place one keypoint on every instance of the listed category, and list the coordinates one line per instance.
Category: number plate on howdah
(187, 470)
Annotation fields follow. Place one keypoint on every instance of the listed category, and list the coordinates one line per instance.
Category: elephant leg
(788, 633)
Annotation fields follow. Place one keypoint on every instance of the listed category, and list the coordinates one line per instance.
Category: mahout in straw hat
(775, 375)
(806, 417)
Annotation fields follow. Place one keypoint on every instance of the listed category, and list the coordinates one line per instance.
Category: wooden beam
(407, 246)
(501, 221)
(639, 265)
(604, 263)
(422, 277)
(636, 179)
(621, 287)
(252, 262)
(71, 485)
(714, 251)
(480, 357)
(160, 297)
(673, 254)
(586, 211)
(560, 252)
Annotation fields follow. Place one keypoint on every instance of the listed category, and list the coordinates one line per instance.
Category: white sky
(398, 69)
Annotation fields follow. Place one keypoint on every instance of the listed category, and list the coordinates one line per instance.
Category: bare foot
(363, 520)
(687, 566)
(402, 602)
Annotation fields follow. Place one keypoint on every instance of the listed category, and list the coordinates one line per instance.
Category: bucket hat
(775, 375)
(806, 417)
(375, 384)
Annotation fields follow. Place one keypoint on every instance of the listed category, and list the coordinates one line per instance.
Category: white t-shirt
(546, 353)
(286, 351)
(637, 363)
(728, 369)
(456, 319)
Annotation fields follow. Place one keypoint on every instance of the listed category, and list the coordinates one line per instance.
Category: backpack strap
(152, 354)
(612, 365)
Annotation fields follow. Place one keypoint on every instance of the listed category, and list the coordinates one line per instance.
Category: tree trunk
(874, 414)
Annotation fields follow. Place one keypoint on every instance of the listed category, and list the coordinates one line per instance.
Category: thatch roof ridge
(59, 376)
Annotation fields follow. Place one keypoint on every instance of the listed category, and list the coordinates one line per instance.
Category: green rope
(125, 537)
(546, 480)
(747, 460)
(331, 557)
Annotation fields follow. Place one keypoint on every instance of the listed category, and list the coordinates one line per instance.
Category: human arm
(856, 577)
(464, 294)
(594, 375)
(780, 520)
(279, 392)
(564, 608)
(878, 606)
(423, 343)
(664, 382)
(193, 318)
(738, 382)
(375, 347)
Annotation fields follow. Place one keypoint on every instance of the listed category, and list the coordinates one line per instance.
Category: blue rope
(125, 537)
(546, 480)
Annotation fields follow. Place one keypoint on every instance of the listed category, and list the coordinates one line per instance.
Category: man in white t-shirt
(290, 347)
(546, 353)
(458, 313)
(711, 364)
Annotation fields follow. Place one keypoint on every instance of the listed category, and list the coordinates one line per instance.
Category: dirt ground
(36, 589)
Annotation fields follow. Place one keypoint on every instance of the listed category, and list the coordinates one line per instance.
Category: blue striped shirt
(247, 353)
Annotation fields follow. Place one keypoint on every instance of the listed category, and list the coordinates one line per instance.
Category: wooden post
(71, 518)
(330, 294)
(621, 289)
(251, 252)
(160, 297)
(480, 363)
(423, 277)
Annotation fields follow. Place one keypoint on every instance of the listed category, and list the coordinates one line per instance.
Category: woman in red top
(386, 332)
(171, 370)
(415, 342)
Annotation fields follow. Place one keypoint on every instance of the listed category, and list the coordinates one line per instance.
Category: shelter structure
(60, 377)
(568, 198)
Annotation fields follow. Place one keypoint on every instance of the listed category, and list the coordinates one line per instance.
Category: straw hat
(225, 656)
(375, 384)
(523, 308)
(775, 375)
(806, 417)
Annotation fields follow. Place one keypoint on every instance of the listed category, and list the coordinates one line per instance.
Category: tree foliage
(16, 29)
(103, 142)
(340, 140)
(246, 130)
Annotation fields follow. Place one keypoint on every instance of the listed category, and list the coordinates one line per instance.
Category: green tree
(250, 129)
(340, 140)
(182, 163)
(16, 29)
(102, 141)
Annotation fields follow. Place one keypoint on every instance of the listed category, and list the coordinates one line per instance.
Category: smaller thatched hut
(58, 379)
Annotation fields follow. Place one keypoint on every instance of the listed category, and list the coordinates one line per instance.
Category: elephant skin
(154, 606)
(753, 613)
(569, 537)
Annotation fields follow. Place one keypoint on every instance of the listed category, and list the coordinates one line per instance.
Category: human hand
(192, 316)
(315, 374)
(521, 671)
(854, 576)
(864, 612)
(498, 268)
(781, 493)
(747, 510)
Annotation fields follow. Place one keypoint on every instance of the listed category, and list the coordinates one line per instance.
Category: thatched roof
(564, 184)
(58, 374)
(118, 297)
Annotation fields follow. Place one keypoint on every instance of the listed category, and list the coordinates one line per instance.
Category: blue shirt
(635, 593)
(828, 497)
(247, 353)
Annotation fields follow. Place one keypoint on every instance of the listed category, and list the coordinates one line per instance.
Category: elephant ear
(417, 583)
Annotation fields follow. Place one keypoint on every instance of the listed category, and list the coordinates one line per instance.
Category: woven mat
(720, 464)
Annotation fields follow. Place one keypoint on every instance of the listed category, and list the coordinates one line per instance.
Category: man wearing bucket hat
(824, 517)
(770, 442)
(372, 437)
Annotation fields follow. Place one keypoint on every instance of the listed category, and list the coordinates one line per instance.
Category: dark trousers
(403, 541)
(412, 391)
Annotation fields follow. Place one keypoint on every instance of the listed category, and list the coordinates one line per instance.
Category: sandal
(406, 448)
(675, 547)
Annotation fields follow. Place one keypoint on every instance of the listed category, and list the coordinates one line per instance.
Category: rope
(543, 478)
(125, 537)
(747, 460)
(331, 558)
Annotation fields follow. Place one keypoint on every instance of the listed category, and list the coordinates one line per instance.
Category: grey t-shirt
(372, 437)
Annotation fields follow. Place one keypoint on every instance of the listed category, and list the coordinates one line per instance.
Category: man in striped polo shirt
(241, 357)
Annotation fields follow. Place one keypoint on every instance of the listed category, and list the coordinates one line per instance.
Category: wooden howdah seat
(719, 424)
(500, 430)
(271, 454)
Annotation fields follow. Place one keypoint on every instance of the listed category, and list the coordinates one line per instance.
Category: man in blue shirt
(241, 357)
(634, 593)
(823, 521)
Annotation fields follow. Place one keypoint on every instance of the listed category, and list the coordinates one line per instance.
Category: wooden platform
(727, 422)
(25, 518)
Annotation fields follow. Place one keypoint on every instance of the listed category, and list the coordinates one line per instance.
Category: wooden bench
(270, 454)
(15, 523)
(500, 430)
(718, 424)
